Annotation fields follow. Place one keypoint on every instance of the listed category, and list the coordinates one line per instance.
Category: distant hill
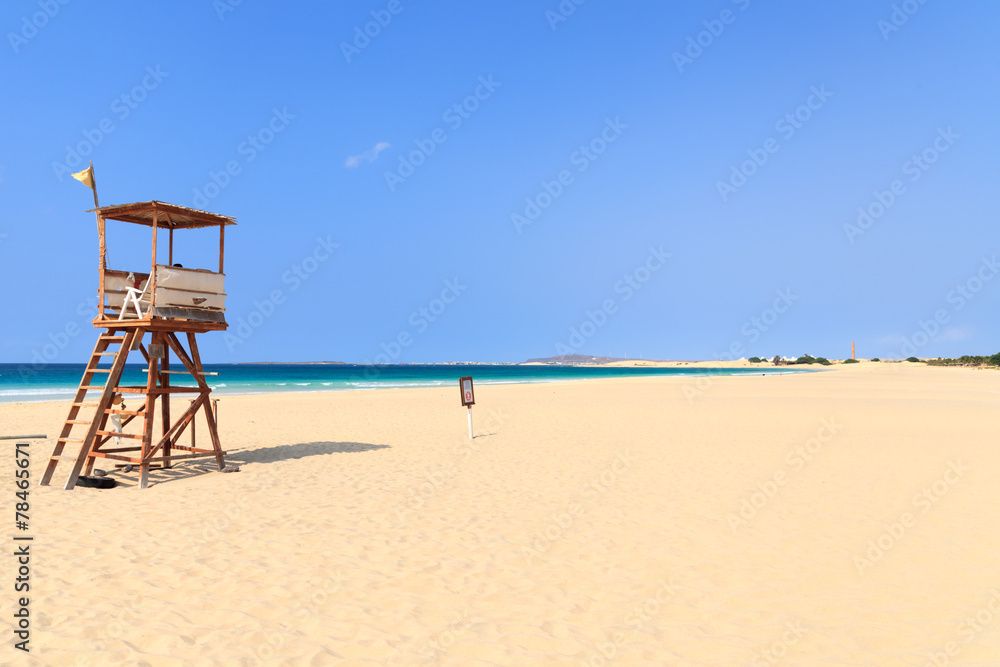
(573, 359)
(293, 363)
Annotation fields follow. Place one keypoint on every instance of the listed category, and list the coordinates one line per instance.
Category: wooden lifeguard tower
(146, 312)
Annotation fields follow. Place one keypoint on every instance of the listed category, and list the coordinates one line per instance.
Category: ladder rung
(62, 458)
(127, 459)
(92, 386)
(67, 441)
(134, 413)
(137, 436)
(105, 354)
(85, 405)
(99, 370)
(76, 421)
(111, 338)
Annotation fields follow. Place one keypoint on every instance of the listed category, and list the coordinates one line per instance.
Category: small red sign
(468, 395)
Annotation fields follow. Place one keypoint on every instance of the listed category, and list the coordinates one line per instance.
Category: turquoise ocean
(54, 382)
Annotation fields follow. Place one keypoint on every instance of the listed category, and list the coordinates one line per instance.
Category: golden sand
(846, 517)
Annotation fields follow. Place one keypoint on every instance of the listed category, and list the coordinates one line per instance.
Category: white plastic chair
(133, 296)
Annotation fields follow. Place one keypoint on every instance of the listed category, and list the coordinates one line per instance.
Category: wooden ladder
(97, 424)
(152, 453)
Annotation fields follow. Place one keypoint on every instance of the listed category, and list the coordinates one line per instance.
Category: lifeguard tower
(146, 312)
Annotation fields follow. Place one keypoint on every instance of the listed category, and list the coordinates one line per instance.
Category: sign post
(468, 398)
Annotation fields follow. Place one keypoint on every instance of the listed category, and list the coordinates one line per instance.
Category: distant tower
(168, 301)
(852, 350)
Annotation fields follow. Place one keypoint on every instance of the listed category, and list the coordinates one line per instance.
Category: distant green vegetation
(850, 361)
(807, 359)
(876, 359)
(967, 360)
(755, 360)
(912, 359)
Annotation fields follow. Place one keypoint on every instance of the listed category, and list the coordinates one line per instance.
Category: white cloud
(954, 334)
(949, 335)
(353, 161)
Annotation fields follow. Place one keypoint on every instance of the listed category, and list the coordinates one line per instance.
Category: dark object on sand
(100, 473)
(96, 482)
(230, 469)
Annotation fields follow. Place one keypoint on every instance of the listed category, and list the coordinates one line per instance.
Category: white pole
(470, 422)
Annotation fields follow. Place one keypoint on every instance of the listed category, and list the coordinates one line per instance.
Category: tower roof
(170, 216)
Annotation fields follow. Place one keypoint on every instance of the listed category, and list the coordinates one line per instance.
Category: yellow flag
(86, 176)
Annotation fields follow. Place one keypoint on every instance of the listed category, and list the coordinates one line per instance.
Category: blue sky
(499, 181)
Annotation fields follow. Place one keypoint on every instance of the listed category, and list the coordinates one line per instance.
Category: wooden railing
(191, 290)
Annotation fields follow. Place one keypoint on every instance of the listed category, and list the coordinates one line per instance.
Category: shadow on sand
(182, 470)
(299, 451)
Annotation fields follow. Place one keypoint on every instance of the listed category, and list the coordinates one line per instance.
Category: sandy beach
(844, 517)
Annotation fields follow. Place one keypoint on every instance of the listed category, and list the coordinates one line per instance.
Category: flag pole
(87, 178)
(103, 264)
(93, 178)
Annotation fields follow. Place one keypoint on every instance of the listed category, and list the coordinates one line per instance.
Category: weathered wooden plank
(103, 403)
